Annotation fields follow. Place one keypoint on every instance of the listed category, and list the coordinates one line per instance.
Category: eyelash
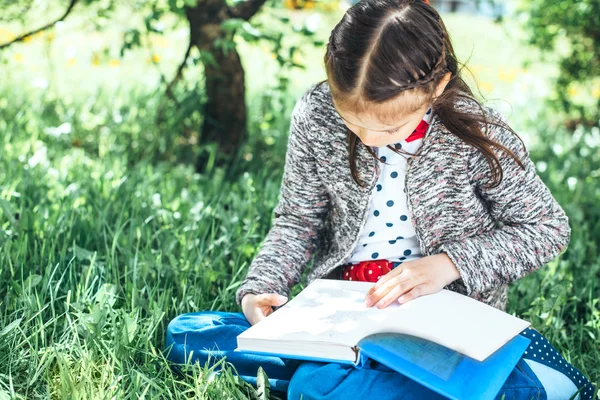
(393, 132)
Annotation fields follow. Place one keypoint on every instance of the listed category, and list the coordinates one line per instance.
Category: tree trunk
(454, 6)
(225, 108)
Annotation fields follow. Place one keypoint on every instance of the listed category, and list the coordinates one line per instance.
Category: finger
(267, 311)
(417, 291)
(390, 297)
(385, 278)
(272, 299)
(391, 281)
(379, 294)
(403, 282)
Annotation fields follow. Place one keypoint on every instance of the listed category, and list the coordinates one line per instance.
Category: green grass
(106, 232)
(98, 253)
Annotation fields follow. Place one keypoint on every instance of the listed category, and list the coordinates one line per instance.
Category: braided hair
(382, 49)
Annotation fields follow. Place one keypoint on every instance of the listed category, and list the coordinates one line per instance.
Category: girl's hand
(258, 306)
(412, 279)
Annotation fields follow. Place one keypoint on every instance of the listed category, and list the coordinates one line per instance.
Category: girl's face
(377, 134)
(374, 133)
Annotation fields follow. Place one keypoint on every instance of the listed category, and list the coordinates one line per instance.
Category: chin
(377, 144)
(373, 143)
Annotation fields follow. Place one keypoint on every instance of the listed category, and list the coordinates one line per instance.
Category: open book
(444, 340)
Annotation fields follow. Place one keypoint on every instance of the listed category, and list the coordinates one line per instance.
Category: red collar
(419, 131)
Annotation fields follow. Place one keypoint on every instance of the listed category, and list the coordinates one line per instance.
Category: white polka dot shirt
(389, 233)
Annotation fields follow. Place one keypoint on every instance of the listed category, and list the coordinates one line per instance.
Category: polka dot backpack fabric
(540, 350)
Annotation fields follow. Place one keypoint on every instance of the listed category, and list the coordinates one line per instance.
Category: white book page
(333, 311)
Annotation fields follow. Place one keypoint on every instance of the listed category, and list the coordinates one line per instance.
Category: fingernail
(368, 303)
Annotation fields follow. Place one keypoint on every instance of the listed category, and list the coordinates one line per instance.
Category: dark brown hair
(382, 48)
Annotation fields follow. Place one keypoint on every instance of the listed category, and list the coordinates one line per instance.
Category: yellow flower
(155, 58)
(572, 91)
(27, 39)
(297, 58)
(476, 68)
(49, 36)
(114, 62)
(160, 41)
(486, 86)
(596, 92)
(18, 57)
(95, 60)
(71, 61)
(7, 35)
(508, 76)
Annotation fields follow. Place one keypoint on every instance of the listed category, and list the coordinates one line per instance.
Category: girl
(396, 175)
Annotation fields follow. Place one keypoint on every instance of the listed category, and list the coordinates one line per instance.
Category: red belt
(367, 271)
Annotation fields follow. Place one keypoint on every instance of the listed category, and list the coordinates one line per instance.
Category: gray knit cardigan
(493, 236)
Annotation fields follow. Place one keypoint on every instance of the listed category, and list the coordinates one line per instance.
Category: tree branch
(245, 10)
(169, 90)
(43, 28)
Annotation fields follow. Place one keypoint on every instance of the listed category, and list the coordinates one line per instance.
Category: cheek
(407, 131)
(354, 129)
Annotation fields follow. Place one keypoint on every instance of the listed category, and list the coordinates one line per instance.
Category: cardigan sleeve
(535, 229)
(299, 216)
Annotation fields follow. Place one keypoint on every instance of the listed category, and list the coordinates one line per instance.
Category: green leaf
(32, 281)
(232, 24)
(130, 326)
(8, 211)
(107, 294)
(208, 59)
(10, 327)
(263, 385)
(82, 254)
(4, 395)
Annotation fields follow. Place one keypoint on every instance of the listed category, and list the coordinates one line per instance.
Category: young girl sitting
(391, 159)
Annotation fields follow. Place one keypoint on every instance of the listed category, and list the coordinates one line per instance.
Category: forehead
(381, 116)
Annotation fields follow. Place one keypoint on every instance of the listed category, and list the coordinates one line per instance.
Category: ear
(443, 83)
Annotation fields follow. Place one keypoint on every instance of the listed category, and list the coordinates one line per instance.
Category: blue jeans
(213, 333)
